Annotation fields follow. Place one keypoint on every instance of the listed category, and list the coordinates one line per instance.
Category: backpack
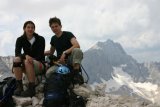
(76, 100)
(7, 87)
(56, 90)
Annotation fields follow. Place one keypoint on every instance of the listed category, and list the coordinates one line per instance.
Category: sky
(135, 24)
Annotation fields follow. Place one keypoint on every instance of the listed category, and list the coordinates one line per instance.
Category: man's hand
(62, 59)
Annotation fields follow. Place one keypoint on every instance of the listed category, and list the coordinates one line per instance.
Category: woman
(30, 61)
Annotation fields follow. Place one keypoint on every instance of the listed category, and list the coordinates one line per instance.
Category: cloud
(6, 43)
(7, 18)
(135, 24)
(142, 40)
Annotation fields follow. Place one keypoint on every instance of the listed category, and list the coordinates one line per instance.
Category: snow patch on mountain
(145, 90)
(96, 47)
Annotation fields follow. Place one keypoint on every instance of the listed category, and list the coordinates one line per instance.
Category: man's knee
(77, 50)
(17, 62)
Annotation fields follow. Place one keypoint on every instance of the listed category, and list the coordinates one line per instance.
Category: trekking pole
(85, 73)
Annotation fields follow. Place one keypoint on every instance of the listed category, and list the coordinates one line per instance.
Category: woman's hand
(29, 58)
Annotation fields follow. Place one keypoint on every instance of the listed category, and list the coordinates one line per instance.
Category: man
(65, 44)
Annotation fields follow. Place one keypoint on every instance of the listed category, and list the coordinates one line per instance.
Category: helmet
(62, 69)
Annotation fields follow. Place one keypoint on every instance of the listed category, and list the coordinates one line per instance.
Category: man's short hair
(54, 20)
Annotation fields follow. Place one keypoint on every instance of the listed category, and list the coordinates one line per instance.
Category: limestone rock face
(35, 101)
(96, 98)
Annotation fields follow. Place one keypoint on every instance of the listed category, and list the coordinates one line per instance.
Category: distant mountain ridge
(5, 71)
(100, 59)
(100, 62)
(8, 60)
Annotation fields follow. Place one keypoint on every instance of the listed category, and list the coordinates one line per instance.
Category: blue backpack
(7, 87)
(56, 86)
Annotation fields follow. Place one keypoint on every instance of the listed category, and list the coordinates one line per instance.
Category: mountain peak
(103, 56)
(109, 41)
(108, 45)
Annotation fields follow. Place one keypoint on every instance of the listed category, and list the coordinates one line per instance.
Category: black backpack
(56, 90)
(76, 100)
(7, 87)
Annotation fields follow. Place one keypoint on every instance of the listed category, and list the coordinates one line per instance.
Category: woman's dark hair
(54, 20)
(28, 22)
